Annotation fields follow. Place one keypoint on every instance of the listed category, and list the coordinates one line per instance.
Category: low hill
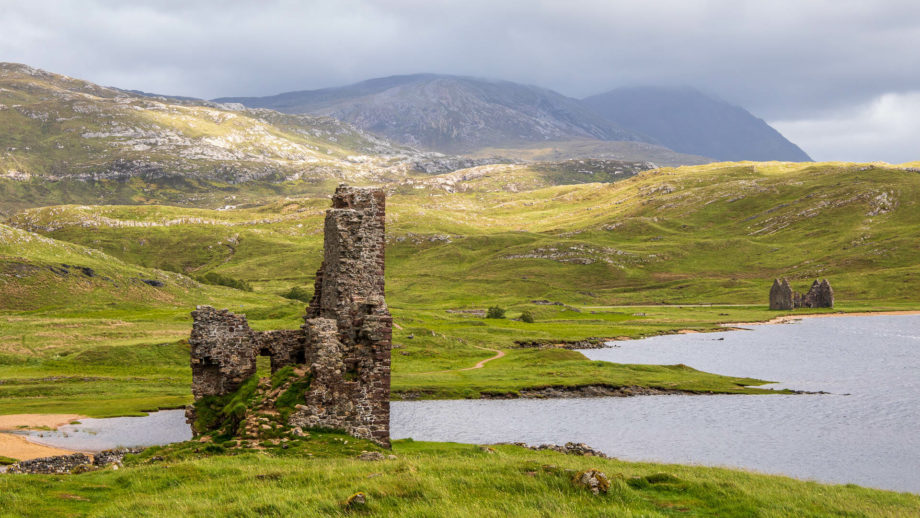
(688, 121)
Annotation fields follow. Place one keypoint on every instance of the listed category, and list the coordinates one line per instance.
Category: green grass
(627, 254)
(316, 476)
(716, 236)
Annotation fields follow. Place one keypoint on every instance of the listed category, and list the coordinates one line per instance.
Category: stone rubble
(569, 448)
(74, 463)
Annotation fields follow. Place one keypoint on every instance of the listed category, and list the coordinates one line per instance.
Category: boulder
(592, 479)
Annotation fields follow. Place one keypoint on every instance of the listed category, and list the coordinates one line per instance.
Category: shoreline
(19, 447)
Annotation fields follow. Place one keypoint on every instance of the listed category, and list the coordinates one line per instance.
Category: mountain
(451, 114)
(455, 114)
(64, 140)
(58, 127)
(687, 121)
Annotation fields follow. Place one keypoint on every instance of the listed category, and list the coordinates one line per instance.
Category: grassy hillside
(82, 329)
(89, 333)
(462, 242)
(706, 234)
(95, 301)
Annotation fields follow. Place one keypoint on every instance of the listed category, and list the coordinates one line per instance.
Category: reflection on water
(864, 432)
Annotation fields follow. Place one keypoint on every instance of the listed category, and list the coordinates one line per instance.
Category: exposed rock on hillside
(91, 133)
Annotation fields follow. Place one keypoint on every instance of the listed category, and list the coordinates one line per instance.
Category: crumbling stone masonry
(344, 342)
(781, 296)
(821, 295)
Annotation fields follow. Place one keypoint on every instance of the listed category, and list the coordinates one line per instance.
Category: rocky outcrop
(593, 480)
(570, 448)
(820, 295)
(342, 352)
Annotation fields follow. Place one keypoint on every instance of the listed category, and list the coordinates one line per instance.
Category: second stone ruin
(821, 295)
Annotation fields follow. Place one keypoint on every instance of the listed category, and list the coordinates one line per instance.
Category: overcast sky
(841, 78)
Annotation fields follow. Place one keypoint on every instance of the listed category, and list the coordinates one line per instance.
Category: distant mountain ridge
(458, 114)
(688, 121)
(450, 114)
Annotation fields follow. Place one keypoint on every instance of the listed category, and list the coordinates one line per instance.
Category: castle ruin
(821, 295)
(343, 348)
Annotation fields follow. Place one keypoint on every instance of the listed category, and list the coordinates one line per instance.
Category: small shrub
(495, 312)
(298, 293)
(527, 316)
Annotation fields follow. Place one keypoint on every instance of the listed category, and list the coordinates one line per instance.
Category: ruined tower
(343, 348)
(349, 322)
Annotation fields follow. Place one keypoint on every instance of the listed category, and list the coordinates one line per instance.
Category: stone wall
(51, 465)
(222, 351)
(345, 340)
(821, 295)
(284, 347)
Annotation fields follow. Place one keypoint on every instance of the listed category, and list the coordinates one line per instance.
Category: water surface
(91, 435)
(866, 432)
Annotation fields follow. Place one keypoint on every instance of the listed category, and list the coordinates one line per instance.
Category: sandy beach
(20, 448)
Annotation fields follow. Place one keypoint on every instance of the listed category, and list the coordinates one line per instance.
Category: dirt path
(20, 448)
(479, 365)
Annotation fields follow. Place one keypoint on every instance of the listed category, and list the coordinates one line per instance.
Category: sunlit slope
(40, 273)
(67, 140)
(701, 234)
